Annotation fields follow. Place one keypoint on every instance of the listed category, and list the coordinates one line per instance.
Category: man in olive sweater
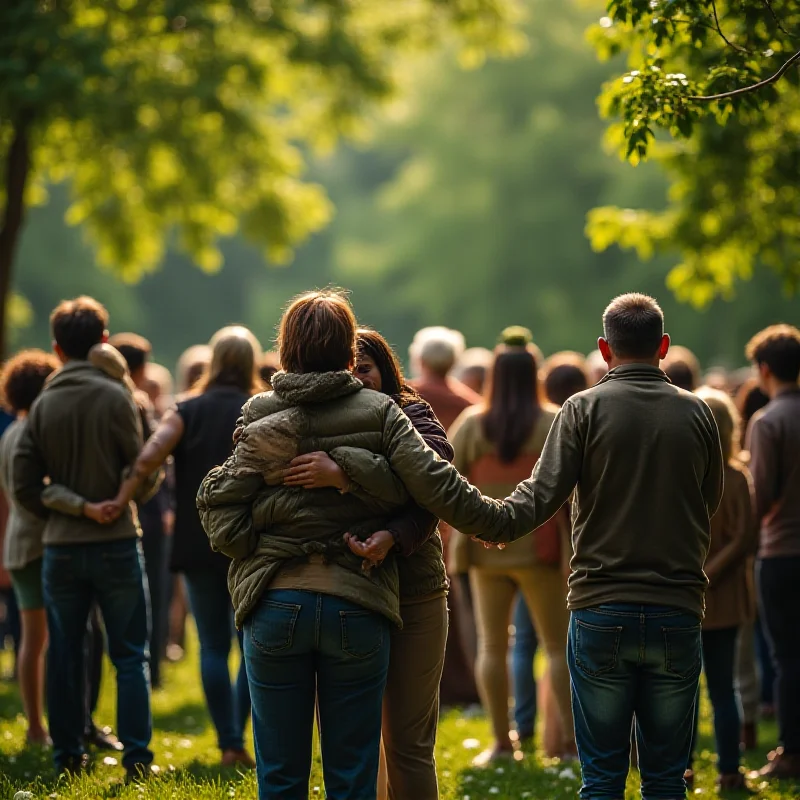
(644, 460)
(82, 432)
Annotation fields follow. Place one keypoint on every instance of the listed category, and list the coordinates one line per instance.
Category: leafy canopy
(192, 117)
(721, 78)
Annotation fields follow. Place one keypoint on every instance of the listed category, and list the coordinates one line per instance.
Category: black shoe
(103, 739)
(74, 765)
(140, 773)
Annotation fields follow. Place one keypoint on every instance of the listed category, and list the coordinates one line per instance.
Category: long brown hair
(235, 352)
(512, 395)
(371, 343)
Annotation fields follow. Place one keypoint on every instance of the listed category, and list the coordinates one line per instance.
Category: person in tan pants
(496, 445)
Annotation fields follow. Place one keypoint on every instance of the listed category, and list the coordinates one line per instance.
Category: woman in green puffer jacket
(317, 625)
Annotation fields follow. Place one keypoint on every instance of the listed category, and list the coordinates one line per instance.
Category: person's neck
(22, 414)
(430, 376)
(776, 388)
(641, 362)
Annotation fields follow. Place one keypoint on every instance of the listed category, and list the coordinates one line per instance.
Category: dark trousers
(719, 658)
(634, 662)
(779, 601)
(155, 547)
(74, 578)
(524, 681)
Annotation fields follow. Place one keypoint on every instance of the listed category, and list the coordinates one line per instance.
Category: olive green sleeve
(371, 478)
(436, 485)
(63, 500)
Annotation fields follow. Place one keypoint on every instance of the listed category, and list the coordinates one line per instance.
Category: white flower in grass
(567, 774)
(110, 761)
(471, 744)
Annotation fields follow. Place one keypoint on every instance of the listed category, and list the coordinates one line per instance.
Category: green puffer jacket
(262, 525)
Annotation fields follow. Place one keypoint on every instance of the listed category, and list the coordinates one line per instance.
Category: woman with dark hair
(497, 445)
(411, 698)
(199, 435)
(316, 622)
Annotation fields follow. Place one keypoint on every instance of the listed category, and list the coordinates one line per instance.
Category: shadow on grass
(190, 717)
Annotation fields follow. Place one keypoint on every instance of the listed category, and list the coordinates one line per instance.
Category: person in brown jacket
(774, 444)
(730, 599)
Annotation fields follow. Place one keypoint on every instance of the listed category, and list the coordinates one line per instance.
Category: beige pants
(411, 702)
(544, 591)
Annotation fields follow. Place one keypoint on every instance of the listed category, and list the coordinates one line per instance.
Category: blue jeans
(634, 662)
(213, 615)
(112, 575)
(719, 658)
(302, 648)
(524, 681)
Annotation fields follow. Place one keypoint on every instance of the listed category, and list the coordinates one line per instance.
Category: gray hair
(437, 348)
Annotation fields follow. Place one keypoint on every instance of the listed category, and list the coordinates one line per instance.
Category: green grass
(184, 745)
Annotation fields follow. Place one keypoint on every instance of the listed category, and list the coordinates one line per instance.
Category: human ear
(663, 348)
(605, 350)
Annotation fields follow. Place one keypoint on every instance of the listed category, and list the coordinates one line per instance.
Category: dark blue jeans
(211, 606)
(779, 605)
(719, 659)
(634, 662)
(112, 575)
(302, 648)
(524, 681)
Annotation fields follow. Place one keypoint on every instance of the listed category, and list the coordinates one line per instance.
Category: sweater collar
(635, 372)
(314, 387)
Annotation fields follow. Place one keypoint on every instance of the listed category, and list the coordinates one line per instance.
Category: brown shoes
(237, 758)
(781, 766)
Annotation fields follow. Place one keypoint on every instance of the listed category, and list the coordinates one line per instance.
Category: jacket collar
(314, 387)
(635, 372)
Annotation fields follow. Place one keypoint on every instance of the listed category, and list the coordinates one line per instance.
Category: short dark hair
(317, 333)
(566, 374)
(633, 325)
(779, 348)
(682, 368)
(135, 349)
(23, 377)
(78, 325)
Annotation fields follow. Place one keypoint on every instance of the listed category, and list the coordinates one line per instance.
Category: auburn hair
(317, 333)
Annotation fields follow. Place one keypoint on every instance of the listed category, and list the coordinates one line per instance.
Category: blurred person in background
(191, 365)
(683, 368)
(155, 514)
(21, 381)
(596, 366)
(433, 355)
(198, 433)
(565, 374)
(158, 385)
(774, 445)
(83, 432)
(717, 378)
(472, 368)
(268, 367)
(755, 673)
(496, 446)
(730, 598)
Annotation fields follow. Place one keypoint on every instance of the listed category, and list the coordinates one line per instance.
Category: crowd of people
(362, 538)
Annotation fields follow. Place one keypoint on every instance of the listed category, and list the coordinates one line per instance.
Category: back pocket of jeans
(362, 633)
(272, 628)
(683, 651)
(597, 647)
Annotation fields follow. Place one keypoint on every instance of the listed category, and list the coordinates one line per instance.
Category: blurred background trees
(466, 206)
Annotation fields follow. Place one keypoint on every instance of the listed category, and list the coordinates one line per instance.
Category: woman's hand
(315, 471)
(373, 550)
(488, 545)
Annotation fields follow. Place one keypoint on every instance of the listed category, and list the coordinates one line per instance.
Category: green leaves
(185, 119)
(679, 54)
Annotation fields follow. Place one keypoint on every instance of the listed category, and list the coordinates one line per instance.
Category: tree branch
(747, 89)
(719, 31)
(778, 22)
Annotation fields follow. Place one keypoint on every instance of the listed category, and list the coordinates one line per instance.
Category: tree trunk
(17, 169)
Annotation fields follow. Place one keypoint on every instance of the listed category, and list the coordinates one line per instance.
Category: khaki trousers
(544, 591)
(411, 701)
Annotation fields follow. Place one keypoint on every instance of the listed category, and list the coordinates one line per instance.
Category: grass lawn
(184, 745)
